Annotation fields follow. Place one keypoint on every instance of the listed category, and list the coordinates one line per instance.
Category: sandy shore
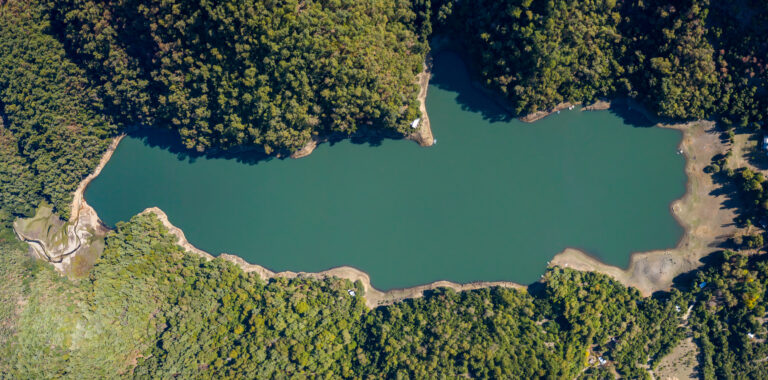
(423, 134)
(79, 206)
(306, 150)
(538, 115)
(701, 212)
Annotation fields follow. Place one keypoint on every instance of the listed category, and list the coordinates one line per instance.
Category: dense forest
(683, 59)
(53, 130)
(148, 309)
(233, 74)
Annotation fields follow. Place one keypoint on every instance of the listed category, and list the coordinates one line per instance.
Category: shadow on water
(451, 73)
(630, 116)
(170, 140)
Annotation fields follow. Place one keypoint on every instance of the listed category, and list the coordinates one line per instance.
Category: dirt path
(423, 134)
(83, 227)
(701, 212)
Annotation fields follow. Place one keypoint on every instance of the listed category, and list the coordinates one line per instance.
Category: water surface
(495, 199)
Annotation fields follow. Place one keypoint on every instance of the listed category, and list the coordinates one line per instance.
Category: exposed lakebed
(494, 199)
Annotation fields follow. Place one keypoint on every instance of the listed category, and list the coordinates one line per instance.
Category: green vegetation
(52, 130)
(539, 53)
(245, 74)
(729, 308)
(238, 73)
(684, 59)
(276, 74)
(148, 309)
(504, 333)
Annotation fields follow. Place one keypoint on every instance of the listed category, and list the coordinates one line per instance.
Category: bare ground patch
(702, 212)
(680, 363)
(423, 134)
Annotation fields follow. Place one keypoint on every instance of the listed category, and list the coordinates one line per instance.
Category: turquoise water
(494, 199)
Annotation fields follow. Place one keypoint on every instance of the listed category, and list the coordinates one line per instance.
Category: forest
(273, 75)
(149, 309)
(684, 59)
(235, 73)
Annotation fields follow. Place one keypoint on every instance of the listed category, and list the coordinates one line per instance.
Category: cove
(494, 199)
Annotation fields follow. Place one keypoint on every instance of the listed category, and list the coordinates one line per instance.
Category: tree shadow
(450, 73)
(757, 156)
(686, 281)
(630, 114)
(454, 71)
(730, 190)
(170, 140)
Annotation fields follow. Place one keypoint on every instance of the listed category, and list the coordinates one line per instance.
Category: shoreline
(83, 225)
(705, 222)
(647, 271)
(373, 296)
(423, 134)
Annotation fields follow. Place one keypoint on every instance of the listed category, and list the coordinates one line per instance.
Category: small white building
(351, 292)
(415, 123)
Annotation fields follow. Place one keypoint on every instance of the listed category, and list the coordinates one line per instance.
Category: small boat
(434, 141)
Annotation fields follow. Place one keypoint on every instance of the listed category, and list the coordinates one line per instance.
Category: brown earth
(306, 150)
(423, 134)
(701, 212)
(680, 363)
(538, 115)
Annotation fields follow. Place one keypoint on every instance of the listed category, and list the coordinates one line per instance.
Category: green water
(493, 200)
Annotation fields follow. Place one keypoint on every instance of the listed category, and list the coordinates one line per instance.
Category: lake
(494, 199)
